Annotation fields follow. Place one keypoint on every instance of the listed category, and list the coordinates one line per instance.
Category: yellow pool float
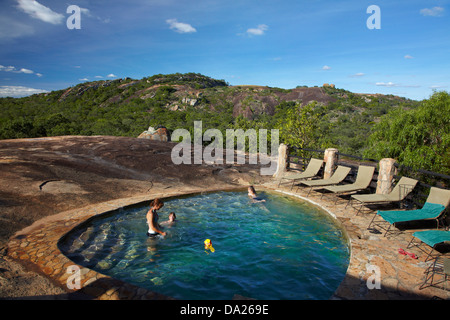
(208, 245)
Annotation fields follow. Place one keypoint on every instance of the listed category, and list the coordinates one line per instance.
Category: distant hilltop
(199, 91)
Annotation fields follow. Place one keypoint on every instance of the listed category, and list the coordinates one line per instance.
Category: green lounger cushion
(429, 211)
(432, 237)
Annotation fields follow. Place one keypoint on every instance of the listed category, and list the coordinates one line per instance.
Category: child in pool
(152, 219)
(252, 194)
(171, 221)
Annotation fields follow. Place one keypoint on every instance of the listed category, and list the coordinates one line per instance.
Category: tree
(17, 128)
(298, 124)
(418, 138)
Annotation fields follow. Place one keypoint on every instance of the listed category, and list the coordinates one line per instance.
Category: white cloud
(391, 84)
(21, 70)
(437, 87)
(259, 31)
(89, 14)
(433, 12)
(86, 12)
(356, 75)
(7, 69)
(408, 57)
(386, 84)
(39, 11)
(111, 75)
(18, 91)
(180, 27)
(326, 67)
(12, 28)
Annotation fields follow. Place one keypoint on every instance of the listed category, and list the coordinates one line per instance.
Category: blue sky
(283, 43)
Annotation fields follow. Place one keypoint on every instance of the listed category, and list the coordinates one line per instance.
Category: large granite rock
(159, 134)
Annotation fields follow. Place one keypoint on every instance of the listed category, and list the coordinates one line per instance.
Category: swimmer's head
(172, 216)
(157, 204)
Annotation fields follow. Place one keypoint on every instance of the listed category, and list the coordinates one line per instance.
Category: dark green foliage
(418, 138)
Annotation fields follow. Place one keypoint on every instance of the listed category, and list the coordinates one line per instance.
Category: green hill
(126, 107)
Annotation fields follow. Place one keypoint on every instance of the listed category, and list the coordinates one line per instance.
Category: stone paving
(400, 275)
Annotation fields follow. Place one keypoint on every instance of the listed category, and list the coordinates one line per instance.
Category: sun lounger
(403, 187)
(430, 237)
(440, 267)
(311, 171)
(362, 181)
(338, 176)
(433, 209)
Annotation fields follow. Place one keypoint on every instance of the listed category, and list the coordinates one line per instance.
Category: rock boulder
(159, 134)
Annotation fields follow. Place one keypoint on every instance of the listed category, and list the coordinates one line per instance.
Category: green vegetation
(113, 107)
(416, 133)
(299, 124)
(418, 138)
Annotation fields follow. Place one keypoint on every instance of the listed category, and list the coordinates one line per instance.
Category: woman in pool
(152, 219)
(252, 194)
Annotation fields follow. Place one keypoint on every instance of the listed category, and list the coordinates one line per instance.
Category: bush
(418, 138)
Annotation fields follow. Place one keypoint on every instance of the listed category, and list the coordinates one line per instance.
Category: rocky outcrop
(250, 101)
(250, 105)
(158, 134)
(189, 101)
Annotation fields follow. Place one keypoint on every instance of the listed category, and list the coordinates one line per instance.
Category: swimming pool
(282, 248)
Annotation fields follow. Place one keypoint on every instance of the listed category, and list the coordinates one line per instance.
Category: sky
(377, 46)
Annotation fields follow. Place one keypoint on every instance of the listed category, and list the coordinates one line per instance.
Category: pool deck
(400, 275)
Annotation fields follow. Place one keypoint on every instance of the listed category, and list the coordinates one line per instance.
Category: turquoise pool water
(282, 248)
